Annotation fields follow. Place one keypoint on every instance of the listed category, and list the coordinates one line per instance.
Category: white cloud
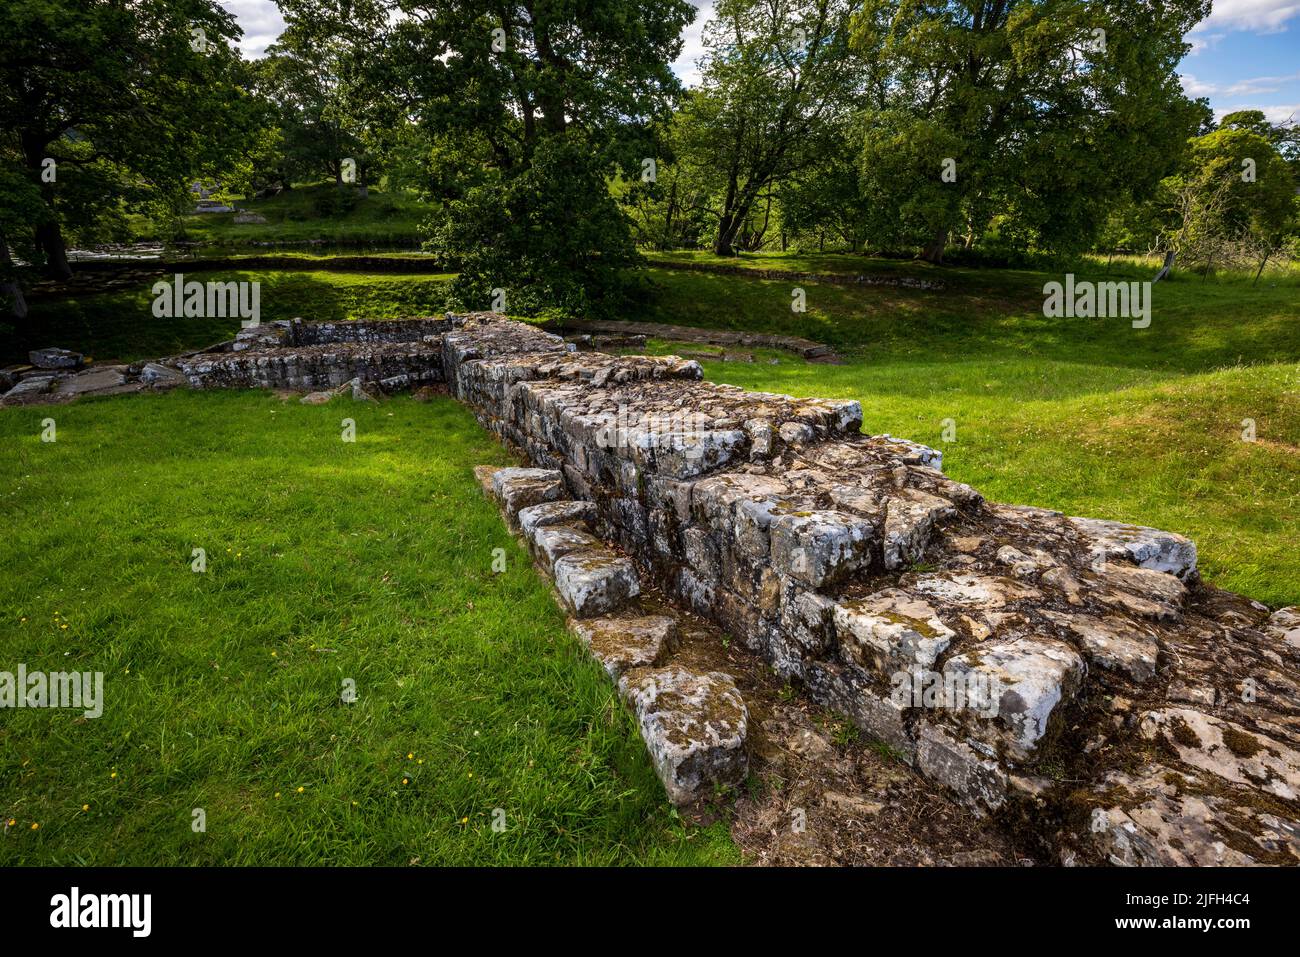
(261, 22)
(1258, 86)
(1259, 16)
(1202, 42)
(693, 44)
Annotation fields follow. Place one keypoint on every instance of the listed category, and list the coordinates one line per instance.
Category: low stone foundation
(1071, 677)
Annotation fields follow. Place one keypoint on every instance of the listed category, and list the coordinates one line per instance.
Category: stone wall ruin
(1114, 705)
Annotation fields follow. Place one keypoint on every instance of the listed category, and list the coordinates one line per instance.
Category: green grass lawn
(326, 561)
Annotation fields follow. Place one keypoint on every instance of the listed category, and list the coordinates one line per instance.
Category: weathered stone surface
(159, 376)
(550, 543)
(99, 380)
(1148, 547)
(1113, 644)
(1226, 750)
(961, 768)
(891, 631)
(30, 388)
(621, 644)
(1284, 627)
(575, 514)
(518, 488)
(1160, 816)
(694, 727)
(595, 582)
(820, 547)
(55, 358)
(1030, 678)
(909, 522)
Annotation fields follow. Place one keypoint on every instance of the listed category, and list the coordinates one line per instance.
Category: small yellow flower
(113, 775)
(464, 820)
(421, 761)
(85, 807)
(275, 654)
(300, 789)
(409, 756)
(471, 774)
(406, 780)
(63, 626)
(24, 618)
(35, 826)
(239, 554)
(277, 793)
(13, 821)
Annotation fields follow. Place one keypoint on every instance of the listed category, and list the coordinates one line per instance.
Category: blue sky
(1246, 55)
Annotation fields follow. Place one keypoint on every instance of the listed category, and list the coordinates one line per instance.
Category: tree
(102, 96)
(556, 96)
(547, 236)
(1233, 201)
(778, 84)
(1041, 114)
(324, 74)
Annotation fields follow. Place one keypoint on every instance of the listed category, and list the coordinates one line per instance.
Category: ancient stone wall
(301, 355)
(1071, 672)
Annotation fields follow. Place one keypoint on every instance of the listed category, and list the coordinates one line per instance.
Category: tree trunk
(50, 238)
(933, 252)
(1168, 267)
(1262, 263)
(11, 289)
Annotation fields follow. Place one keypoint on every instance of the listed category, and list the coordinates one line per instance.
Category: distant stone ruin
(1071, 678)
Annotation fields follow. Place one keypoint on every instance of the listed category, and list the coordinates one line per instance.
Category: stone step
(694, 726)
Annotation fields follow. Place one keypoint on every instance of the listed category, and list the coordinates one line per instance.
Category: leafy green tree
(116, 95)
(547, 236)
(1044, 114)
(557, 96)
(1284, 137)
(325, 76)
(778, 84)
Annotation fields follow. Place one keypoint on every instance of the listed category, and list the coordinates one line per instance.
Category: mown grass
(326, 561)
(1195, 326)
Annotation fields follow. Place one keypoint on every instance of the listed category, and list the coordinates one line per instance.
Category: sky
(1246, 55)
